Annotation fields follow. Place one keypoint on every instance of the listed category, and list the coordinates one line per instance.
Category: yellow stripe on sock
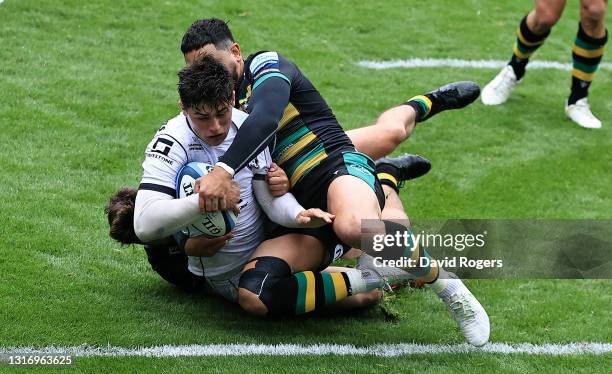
(388, 177)
(519, 54)
(425, 99)
(339, 286)
(310, 292)
(582, 75)
(588, 53)
(524, 41)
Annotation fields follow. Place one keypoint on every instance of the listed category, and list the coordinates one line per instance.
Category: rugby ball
(211, 224)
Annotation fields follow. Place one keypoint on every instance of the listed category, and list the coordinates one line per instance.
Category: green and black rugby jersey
(308, 131)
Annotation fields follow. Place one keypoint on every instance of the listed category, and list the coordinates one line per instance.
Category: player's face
(210, 124)
(231, 58)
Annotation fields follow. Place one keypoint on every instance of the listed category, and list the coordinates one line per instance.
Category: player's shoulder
(260, 57)
(172, 140)
(264, 62)
(176, 128)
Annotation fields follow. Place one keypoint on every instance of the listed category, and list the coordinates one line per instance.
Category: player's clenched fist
(217, 191)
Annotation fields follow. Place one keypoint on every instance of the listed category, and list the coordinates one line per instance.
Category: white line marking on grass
(383, 350)
(457, 63)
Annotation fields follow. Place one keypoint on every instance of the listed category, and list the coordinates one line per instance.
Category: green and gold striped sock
(424, 269)
(526, 44)
(422, 105)
(389, 175)
(319, 289)
(586, 54)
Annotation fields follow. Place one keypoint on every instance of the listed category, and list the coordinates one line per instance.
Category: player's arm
(268, 102)
(269, 98)
(285, 210)
(201, 246)
(158, 215)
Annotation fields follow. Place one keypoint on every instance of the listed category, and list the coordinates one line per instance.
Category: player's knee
(593, 13)
(546, 18)
(395, 134)
(257, 286)
(251, 303)
(391, 127)
(348, 229)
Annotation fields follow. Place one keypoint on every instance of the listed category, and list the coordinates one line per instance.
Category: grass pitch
(86, 84)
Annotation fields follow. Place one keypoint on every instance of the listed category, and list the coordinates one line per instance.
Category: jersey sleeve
(164, 157)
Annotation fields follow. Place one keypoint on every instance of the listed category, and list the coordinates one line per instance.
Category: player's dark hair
(206, 31)
(205, 83)
(120, 213)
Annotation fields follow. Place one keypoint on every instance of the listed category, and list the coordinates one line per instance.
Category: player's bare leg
(280, 280)
(532, 32)
(545, 15)
(392, 127)
(465, 309)
(470, 316)
(396, 124)
(593, 17)
(587, 53)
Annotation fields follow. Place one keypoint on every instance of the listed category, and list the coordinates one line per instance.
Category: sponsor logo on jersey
(162, 146)
(160, 157)
(254, 164)
(196, 147)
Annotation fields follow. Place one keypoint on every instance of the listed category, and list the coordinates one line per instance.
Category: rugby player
(202, 132)
(287, 113)
(587, 53)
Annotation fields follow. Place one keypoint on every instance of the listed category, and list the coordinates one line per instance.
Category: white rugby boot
(499, 89)
(581, 114)
(465, 309)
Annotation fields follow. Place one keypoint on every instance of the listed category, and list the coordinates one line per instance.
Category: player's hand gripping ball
(211, 224)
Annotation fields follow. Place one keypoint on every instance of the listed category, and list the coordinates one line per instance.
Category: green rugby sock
(587, 53)
(422, 104)
(526, 44)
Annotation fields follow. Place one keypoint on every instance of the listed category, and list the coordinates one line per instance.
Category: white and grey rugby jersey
(175, 145)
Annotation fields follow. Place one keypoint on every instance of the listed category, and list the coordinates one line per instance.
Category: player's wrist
(228, 169)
